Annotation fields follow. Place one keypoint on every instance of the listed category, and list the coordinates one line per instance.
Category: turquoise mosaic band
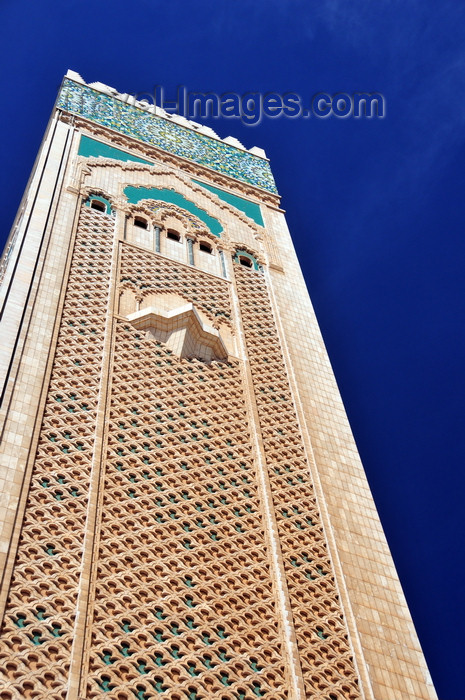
(169, 136)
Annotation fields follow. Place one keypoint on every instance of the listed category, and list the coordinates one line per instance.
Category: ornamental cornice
(220, 155)
(194, 169)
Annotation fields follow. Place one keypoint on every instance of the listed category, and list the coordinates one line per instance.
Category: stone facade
(183, 510)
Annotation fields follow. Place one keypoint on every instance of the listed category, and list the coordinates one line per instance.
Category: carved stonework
(181, 329)
(184, 514)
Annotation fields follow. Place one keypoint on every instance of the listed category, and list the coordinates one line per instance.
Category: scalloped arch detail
(135, 194)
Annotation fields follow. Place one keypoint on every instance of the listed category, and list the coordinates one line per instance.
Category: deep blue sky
(376, 210)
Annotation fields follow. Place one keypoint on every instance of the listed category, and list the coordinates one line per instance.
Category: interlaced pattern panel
(184, 606)
(148, 274)
(183, 603)
(321, 634)
(37, 631)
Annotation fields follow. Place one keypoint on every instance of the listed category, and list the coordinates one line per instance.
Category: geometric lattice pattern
(148, 274)
(183, 601)
(37, 632)
(324, 651)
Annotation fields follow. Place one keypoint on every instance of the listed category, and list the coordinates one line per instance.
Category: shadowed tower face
(184, 513)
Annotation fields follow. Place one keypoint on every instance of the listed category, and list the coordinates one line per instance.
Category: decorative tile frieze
(181, 141)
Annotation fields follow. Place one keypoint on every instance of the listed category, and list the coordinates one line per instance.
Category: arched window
(205, 247)
(243, 257)
(140, 222)
(173, 235)
(97, 205)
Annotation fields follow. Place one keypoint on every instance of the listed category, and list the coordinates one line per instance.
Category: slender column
(190, 250)
(223, 264)
(83, 620)
(157, 239)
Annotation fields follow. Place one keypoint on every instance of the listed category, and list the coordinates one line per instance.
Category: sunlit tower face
(185, 511)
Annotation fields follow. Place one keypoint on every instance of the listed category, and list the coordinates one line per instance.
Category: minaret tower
(184, 514)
